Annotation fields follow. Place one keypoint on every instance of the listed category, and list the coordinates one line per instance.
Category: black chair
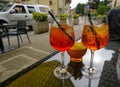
(20, 29)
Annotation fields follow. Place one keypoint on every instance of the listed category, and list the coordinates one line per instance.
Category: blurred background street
(40, 41)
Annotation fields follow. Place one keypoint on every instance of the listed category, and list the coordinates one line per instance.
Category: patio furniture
(21, 29)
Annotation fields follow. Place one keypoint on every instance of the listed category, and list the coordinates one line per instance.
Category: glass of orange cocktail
(77, 51)
(62, 38)
(94, 37)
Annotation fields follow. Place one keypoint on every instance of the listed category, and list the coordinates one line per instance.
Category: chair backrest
(21, 27)
(21, 23)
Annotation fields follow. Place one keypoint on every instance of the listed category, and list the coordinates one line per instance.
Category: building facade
(115, 3)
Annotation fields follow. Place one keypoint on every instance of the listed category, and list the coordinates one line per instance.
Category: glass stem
(63, 81)
(91, 62)
(89, 83)
(62, 59)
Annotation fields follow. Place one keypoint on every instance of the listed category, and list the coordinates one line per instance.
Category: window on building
(50, 2)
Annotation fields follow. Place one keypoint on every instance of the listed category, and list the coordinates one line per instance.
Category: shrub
(40, 17)
(101, 16)
(75, 16)
(93, 13)
(63, 16)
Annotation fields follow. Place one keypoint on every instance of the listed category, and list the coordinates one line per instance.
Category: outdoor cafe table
(100, 57)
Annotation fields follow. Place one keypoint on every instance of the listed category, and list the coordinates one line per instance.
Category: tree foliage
(96, 3)
(103, 9)
(80, 9)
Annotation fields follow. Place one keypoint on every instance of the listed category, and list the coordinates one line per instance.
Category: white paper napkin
(118, 67)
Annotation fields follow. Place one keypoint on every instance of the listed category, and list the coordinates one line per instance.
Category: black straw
(93, 31)
(89, 16)
(54, 18)
(60, 25)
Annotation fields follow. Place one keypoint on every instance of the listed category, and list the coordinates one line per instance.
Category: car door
(19, 13)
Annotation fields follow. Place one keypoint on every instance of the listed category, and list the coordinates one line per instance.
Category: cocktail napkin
(118, 67)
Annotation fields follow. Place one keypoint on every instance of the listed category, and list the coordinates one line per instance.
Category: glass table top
(99, 58)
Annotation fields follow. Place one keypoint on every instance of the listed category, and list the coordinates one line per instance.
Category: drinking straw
(89, 16)
(54, 18)
(93, 31)
(60, 25)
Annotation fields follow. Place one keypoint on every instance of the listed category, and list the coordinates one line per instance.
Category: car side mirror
(12, 11)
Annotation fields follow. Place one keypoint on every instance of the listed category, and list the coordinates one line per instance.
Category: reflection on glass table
(100, 57)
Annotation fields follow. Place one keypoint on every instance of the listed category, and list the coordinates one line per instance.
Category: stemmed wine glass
(94, 37)
(62, 38)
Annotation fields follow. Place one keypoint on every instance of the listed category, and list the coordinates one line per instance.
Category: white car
(10, 14)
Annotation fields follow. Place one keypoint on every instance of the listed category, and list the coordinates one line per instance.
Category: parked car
(11, 13)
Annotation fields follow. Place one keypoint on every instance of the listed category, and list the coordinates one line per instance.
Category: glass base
(63, 73)
(91, 72)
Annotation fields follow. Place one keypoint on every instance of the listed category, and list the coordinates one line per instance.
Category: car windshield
(5, 8)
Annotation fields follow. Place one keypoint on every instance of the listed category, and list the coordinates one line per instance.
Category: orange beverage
(77, 51)
(62, 39)
(96, 38)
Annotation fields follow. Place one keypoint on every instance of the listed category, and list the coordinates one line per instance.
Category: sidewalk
(37, 50)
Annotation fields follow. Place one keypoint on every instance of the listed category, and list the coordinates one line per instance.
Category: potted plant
(63, 18)
(41, 23)
(76, 19)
